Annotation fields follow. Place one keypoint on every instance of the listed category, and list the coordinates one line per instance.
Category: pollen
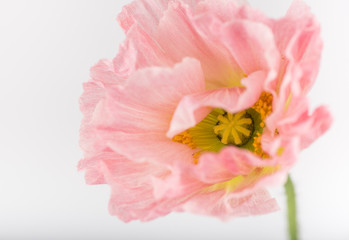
(184, 138)
(264, 106)
(187, 139)
(258, 147)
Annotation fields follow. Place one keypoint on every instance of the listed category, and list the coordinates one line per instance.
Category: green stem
(292, 210)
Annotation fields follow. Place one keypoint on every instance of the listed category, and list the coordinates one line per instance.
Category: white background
(46, 50)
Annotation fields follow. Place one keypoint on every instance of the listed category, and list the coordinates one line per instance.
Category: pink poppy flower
(202, 109)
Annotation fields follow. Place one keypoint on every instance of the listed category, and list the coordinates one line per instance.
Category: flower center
(234, 129)
(220, 128)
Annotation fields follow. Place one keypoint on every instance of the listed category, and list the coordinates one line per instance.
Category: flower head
(202, 109)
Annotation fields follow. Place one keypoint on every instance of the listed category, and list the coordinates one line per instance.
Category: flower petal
(252, 45)
(131, 190)
(93, 94)
(298, 39)
(225, 206)
(178, 37)
(139, 113)
(139, 50)
(309, 127)
(147, 13)
(148, 100)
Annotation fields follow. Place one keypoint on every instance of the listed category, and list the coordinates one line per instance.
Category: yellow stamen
(264, 105)
(184, 138)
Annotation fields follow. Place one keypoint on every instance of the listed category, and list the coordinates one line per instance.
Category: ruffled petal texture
(181, 60)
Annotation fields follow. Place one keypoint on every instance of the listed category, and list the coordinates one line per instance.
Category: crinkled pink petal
(227, 164)
(225, 206)
(178, 37)
(139, 50)
(309, 127)
(252, 45)
(104, 73)
(131, 191)
(93, 93)
(298, 39)
(144, 13)
(137, 107)
(193, 108)
(136, 115)
(147, 13)
(92, 167)
(147, 147)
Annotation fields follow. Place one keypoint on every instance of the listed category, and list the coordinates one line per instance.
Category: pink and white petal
(148, 100)
(102, 75)
(144, 13)
(226, 10)
(193, 108)
(283, 149)
(226, 206)
(148, 147)
(180, 183)
(233, 162)
(147, 13)
(92, 95)
(132, 190)
(286, 108)
(309, 127)
(252, 45)
(298, 39)
(178, 37)
(225, 165)
(104, 72)
(139, 50)
(92, 168)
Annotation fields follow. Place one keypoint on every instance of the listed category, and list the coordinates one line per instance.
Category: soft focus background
(46, 50)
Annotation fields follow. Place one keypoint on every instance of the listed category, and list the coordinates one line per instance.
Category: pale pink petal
(298, 39)
(102, 75)
(181, 183)
(309, 127)
(92, 167)
(178, 37)
(132, 190)
(139, 115)
(252, 45)
(227, 164)
(137, 107)
(103, 72)
(225, 206)
(150, 147)
(93, 93)
(139, 50)
(193, 108)
(147, 13)
(227, 10)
